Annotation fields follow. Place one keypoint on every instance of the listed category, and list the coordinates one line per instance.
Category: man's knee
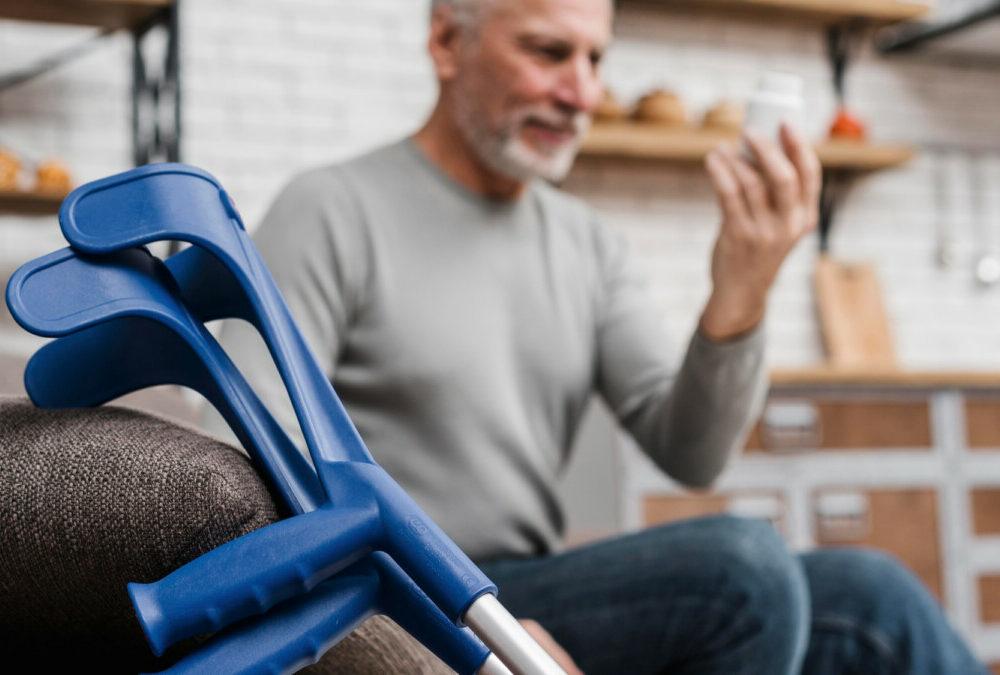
(754, 597)
(746, 561)
(872, 615)
(866, 581)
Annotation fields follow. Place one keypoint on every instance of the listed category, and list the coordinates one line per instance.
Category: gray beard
(503, 152)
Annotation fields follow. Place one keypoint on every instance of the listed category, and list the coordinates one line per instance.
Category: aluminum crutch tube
(508, 639)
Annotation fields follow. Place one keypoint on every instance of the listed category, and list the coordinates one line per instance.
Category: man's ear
(444, 43)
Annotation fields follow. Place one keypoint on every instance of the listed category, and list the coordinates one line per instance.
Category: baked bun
(661, 107)
(52, 176)
(10, 167)
(609, 109)
(724, 116)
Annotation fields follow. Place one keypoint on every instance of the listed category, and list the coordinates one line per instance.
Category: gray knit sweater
(466, 335)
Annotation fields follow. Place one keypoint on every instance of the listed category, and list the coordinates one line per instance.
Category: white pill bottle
(777, 99)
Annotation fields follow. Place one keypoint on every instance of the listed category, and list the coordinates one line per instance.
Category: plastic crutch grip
(293, 634)
(251, 574)
(297, 632)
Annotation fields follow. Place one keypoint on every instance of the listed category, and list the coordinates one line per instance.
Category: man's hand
(549, 644)
(765, 211)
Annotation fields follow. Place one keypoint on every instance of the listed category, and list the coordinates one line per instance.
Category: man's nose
(578, 87)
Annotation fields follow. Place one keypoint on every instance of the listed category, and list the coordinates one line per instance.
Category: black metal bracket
(915, 36)
(843, 41)
(835, 185)
(156, 92)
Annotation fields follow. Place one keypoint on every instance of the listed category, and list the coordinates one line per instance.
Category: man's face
(526, 83)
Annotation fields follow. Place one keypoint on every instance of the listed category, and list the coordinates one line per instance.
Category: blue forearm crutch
(115, 347)
(177, 202)
(144, 202)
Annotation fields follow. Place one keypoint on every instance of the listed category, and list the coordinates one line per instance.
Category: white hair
(468, 13)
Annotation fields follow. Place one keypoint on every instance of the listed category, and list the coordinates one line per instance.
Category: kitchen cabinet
(905, 462)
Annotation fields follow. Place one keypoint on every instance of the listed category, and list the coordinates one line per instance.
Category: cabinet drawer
(989, 598)
(799, 424)
(901, 522)
(752, 504)
(985, 510)
(982, 422)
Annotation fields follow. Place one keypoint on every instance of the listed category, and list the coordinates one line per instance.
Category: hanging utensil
(945, 243)
(987, 264)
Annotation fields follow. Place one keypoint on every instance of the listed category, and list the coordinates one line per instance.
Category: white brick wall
(272, 88)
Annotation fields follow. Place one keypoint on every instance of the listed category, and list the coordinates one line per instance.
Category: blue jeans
(724, 595)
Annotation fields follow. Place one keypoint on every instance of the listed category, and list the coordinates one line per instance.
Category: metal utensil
(987, 263)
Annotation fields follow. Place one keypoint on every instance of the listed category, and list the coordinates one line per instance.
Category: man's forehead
(589, 20)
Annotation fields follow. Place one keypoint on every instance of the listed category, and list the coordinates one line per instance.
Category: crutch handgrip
(251, 574)
(291, 636)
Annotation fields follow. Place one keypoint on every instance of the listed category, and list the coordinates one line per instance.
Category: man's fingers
(727, 187)
(549, 644)
(752, 186)
(781, 176)
(808, 167)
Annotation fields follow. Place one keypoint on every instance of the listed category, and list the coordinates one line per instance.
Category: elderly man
(466, 310)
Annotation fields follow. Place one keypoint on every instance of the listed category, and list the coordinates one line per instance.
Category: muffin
(661, 107)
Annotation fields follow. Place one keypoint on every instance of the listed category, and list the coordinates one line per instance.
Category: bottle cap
(784, 84)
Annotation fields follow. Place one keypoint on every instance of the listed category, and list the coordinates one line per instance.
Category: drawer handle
(763, 507)
(843, 517)
(790, 425)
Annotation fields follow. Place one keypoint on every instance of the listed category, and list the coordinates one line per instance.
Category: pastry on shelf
(609, 108)
(10, 167)
(847, 127)
(724, 117)
(661, 107)
(52, 176)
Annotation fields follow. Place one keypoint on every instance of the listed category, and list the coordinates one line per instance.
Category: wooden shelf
(639, 140)
(112, 14)
(31, 203)
(861, 157)
(894, 378)
(824, 11)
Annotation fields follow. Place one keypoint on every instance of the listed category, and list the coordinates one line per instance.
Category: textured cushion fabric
(92, 499)
(378, 647)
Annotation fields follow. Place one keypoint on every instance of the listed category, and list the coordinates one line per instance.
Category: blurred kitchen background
(883, 426)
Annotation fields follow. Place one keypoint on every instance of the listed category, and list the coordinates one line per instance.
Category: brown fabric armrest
(93, 499)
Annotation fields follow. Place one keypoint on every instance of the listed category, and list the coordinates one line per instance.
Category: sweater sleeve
(689, 419)
(310, 241)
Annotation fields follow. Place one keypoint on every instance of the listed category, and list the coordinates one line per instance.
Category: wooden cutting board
(852, 316)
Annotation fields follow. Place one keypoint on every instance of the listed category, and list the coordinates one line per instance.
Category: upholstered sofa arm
(92, 499)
